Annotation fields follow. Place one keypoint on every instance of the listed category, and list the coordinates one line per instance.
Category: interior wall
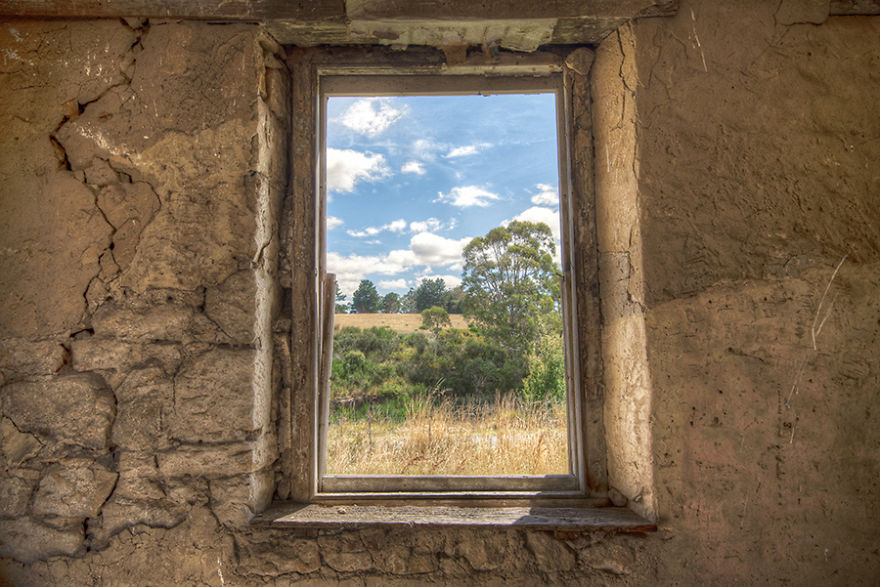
(141, 175)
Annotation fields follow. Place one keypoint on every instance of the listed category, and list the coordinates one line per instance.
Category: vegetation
(462, 384)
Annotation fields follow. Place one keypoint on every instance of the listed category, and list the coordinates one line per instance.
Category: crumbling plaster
(141, 183)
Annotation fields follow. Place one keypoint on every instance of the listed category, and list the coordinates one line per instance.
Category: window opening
(442, 228)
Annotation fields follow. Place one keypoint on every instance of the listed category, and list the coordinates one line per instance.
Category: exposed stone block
(71, 410)
(27, 541)
(162, 322)
(17, 447)
(21, 358)
(115, 359)
(213, 399)
(550, 553)
(144, 405)
(208, 461)
(232, 306)
(15, 493)
(73, 489)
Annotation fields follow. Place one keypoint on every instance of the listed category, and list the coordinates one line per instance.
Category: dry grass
(504, 438)
(405, 323)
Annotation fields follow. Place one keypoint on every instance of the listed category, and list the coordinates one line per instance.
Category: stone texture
(231, 305)
(15, 493)
(26, 540)
(17, 447)
(75, 409)
(213, 398)
(75, 489)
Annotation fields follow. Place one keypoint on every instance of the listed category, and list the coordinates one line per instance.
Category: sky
(412, 179)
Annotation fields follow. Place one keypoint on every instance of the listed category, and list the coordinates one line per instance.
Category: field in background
(403, 323)
(500, 438)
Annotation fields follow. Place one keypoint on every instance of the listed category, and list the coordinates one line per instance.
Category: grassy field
(404, 323)
(508, 437)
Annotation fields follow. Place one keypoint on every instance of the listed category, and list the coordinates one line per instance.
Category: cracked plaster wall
(139, 185)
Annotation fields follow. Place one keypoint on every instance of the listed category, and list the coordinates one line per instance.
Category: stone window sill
(562, 520)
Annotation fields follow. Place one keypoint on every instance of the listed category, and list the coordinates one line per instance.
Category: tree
(512, 285)
(390, 303)
(435, 319)
(340, 297)
(365, 299)
(431, 292)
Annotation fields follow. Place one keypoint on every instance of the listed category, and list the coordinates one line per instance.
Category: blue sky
(411, 179)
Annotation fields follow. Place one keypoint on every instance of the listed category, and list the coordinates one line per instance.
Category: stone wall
(141, 176)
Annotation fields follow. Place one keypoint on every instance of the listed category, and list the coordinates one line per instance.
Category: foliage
(390, 303)
(430, 293)
(341, 308)
(365, 298)
(512, 284)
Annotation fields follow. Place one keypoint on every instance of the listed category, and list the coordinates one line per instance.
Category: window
(319, 75)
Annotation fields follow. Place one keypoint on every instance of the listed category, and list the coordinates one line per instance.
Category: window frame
(320, 73)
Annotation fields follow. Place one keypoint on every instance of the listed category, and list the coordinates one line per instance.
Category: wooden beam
(519, 518)
(854, 7)
(247, 10)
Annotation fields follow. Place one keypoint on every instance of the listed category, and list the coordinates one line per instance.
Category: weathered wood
(372, 483)
(854, 7)
(505, 9)
(305, 267)
(585, 266)
(328, 306)
(522, 518)
(253, 10)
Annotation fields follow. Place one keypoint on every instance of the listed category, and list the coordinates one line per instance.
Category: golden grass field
(504, 438)
(405, 323)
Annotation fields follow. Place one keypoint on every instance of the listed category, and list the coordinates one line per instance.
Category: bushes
(378, 366)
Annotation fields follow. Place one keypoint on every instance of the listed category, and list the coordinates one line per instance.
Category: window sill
(562, 520)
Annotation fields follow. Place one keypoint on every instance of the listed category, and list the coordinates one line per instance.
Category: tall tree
(430, 293)
(390, 303)
(341, 308)
(512, 285)
(365, 299)
(435, 319)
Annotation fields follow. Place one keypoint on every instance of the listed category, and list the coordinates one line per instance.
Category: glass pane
(443, 232)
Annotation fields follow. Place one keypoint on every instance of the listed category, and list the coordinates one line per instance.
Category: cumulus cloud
(425, 249)
(540, 214)
(428, 225)
(466, 150)
(334, 222)
(413, 167)
(395, 226)
(546, 196)
(371, 116)
(433, 249)
(346, 167)
(393, 284)
(467, 196)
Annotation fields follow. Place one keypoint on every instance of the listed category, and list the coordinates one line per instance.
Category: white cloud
(546, 196)
(466, 196)
(371, 116)
(346, 167)
(394, 226)
(393, 284)
(425, 149)
(539, 214)
(432, 249)
(334, 222)
(413, 167)
(428, 225)
(467, 150)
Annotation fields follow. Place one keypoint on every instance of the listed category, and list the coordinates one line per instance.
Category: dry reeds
(505, 437)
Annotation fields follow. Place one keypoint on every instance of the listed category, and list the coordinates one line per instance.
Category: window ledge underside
(360, 517)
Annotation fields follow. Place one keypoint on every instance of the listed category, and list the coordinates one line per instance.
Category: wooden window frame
(378, 71)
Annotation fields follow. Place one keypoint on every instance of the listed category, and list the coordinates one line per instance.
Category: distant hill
(405, 323)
